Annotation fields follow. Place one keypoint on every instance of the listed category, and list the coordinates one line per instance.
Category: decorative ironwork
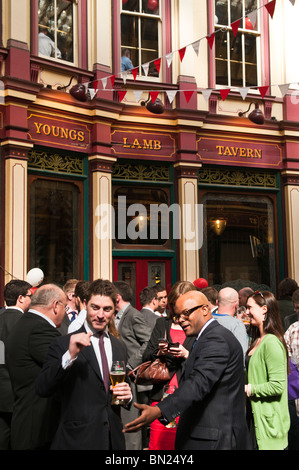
(222, 176)
(130, 171)
(56, 163)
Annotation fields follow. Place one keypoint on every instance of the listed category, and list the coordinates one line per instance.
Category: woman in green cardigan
(267, 365)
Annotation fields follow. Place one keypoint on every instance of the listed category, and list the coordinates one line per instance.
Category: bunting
(93, 86)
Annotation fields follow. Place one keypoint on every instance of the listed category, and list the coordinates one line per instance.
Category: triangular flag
(263, 90)
(112, 79)
(169, 58)
(92, 92)
(182, 53)
(188, 94)
(157, 63)
(244, 92)
(121, 94)
(235, 26)
(145, 68)
(104, 82)
(206, 93)
(293, 2)
(284, 88)
(95, 84)
(210, 40)
(124, 76)
(171, 95)
(224, 92)
(137, 94)
(253, 18)
(195, 46)
(154, 95)
(271, 7)
(134, 72)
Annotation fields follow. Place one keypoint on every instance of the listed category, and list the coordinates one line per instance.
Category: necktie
(73, 316)
(105, 368)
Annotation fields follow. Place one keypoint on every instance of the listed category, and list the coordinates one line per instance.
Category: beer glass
(117, 375)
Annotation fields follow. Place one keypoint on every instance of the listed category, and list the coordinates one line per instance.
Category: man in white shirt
(46, 46)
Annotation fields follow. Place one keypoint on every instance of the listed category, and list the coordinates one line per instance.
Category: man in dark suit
(33, 419)
(76, 367)
(17, 296)
(135, 333)
(210, 397)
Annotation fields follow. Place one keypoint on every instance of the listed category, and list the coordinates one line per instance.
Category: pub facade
(96, 184)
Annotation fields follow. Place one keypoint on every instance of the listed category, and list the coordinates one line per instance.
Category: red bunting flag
(224, 93)
(95, 84)
(134, 72)
(211, 40)
(154, 95)
(121, 94)
(112, 79)
(235, 26)
(263, 90)
(182, 53)
(188, 94)
(157, 63)
(271, 7)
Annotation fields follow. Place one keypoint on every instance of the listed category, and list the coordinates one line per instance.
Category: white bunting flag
(124, 76)
(206, 93)
(284, 88)
(253, 18)
(92, 92)
(171, 95)
(104, 82)
(169, 59)
(292, 2)
(137, 94)
(244, 92)
(145, 68)
(195, 46)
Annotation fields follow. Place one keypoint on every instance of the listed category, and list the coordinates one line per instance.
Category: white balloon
(35, 276)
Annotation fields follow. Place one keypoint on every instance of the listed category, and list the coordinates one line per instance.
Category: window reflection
(55, 21)
(54, 229)
(239, 239)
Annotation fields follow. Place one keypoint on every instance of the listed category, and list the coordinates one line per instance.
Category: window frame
(262, 49)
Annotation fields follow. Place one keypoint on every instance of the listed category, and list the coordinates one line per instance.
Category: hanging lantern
(218, 225)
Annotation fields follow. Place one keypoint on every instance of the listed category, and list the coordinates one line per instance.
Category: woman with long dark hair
(267, 366)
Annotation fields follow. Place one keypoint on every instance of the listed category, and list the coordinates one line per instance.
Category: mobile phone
(173, 345)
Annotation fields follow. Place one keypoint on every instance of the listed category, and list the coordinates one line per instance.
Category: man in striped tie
(78, 368)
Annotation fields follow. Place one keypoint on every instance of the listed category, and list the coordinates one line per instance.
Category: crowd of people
(232, 358)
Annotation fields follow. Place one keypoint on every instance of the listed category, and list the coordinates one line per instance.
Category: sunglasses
(257, 292)
(187, 313)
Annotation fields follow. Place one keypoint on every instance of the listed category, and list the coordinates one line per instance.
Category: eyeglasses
(187, 313)
(257, 292)
(27, 295)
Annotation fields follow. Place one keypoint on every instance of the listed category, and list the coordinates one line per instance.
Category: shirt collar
(36, 312)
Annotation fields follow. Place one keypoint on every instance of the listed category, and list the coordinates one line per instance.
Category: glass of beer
(168, 390)
(117, 375)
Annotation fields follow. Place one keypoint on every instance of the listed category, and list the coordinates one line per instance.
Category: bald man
(210, 397)
(228, 303)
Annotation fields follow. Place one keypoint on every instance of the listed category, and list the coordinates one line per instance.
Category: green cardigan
(267, 374)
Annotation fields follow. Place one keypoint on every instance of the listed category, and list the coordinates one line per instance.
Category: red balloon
(125, 1)
(248, 24)
(152, 4)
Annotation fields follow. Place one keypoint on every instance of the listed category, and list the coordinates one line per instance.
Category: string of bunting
(93, 86)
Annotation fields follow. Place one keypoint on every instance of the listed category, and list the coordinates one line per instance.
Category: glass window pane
(65, 38)
(221, 12)
(250, 60)
(131, 5)
(250, 5)
(149, 43)
(150, 6)
(138, 219)
(54, 224)
(236, 64)
(129, 37)
(235, 10)
(239, 239)
(221, 58)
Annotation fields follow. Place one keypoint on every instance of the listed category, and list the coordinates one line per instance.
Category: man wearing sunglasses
(210, 397)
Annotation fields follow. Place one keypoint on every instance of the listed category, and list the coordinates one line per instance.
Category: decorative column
(14, 167)
(191, 225)
(291, 194)
(101, 217)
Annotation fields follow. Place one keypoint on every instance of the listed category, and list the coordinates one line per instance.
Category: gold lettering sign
(239, 152)
(145, 144)
(59, 132)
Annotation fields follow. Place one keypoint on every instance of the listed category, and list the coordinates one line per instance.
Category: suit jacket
(135, 333)
(34, 419)
(8, 319)
(150, 318)
(88, 421)
(210, 398)
(174, 364)
(63, 329)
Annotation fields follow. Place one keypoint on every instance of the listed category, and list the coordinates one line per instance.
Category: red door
(139, 273)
